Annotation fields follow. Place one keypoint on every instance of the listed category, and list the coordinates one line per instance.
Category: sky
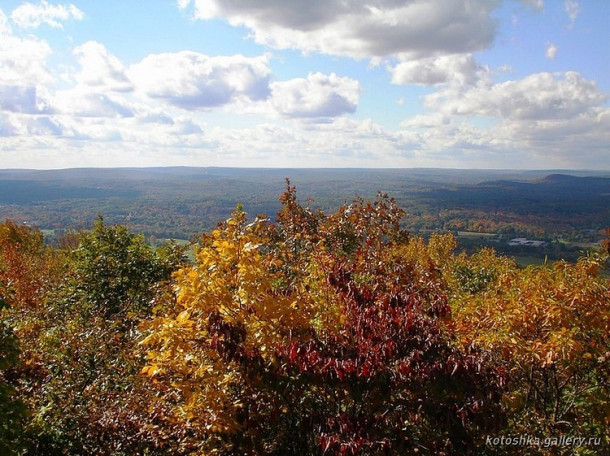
(487, 84)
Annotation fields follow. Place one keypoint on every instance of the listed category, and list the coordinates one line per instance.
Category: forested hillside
(309, 333)
(181, 202)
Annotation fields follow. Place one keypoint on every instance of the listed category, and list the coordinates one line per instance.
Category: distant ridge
(561, 178)
(177, 202)
(550, 179)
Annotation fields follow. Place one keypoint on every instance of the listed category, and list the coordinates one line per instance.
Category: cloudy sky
(316, 83)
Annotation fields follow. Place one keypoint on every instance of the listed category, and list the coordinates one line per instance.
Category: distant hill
(555, 203)
(182, 201)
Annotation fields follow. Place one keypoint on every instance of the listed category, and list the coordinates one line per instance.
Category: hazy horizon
(326, 168)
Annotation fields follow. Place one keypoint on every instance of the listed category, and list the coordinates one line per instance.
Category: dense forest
(312, 333)
(181, 202)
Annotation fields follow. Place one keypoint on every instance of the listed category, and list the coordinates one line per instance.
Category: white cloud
(29, 15)
(577, 142)
(128, 115)
(361, 28)
(5, 28)
(426, 140)
(23, 75)
(22, 60)
(551, 51)
(23, 99)
(41, 126)
(182, 4)
(317, 96)
(426, 121)
(511, 143)
(26, 126)
(100, 69)
(82, 103)
(186, 127)
(461, 69)
(537, 96)
(543, 118)
(7, 128)
(190, 80)
(572, 8)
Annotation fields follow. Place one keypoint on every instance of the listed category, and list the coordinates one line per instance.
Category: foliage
(28, 269)
(79, 373)
(317, 333)
(549, 325)
(178, 202)
(114, 270)
(312, 336)
(12, 412)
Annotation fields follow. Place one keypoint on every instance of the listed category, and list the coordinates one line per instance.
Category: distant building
(528, 242)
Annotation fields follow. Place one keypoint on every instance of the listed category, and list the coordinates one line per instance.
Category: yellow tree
(550, 325)
(231, 305)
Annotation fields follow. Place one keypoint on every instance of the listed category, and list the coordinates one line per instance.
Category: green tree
(77, 312)
(115, 270)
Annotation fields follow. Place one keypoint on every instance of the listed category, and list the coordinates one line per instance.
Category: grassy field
(475, 235)
(524, 261)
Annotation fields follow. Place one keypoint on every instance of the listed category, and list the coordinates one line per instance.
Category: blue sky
(520, 84)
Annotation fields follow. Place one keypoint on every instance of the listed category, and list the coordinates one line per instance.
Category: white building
(528, 242)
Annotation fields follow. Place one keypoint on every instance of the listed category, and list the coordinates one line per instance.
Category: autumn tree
(77, 312)
(313, 336)
(549, 326)
(29, 270)
(114, 270)
(12, 411)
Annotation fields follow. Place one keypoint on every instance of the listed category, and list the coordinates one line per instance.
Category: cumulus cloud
(22, 60)
(318, 95)
(459, 142)
(361, 28)
(191, 80)
(100, 69)
(23, 75)
(80, 103)
(461, 69)
(12, 124)
(426, 121)
(29, 15)
(185, 127)
(23, 99)
(543, 117)
(537, 96)
(5, 28)
(41, 126)
(7, 128)
(551, 51)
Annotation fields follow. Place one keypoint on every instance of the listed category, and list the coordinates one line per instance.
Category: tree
(114, 270)
(12, 411)
(549, 326)
(79, 320)
(313, 336)
(28, 268)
